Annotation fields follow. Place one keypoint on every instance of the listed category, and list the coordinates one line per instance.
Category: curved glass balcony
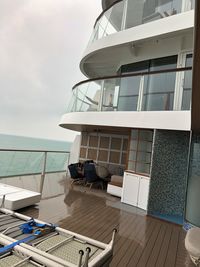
(150, 91)
(126, 14)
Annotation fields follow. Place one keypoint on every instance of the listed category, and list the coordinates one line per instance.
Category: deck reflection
(141, 240)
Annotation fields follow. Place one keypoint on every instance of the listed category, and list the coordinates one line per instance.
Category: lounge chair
(75, 173)
(91, 176)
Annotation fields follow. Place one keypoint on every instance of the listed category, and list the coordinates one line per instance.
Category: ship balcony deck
(122, 15)
(141, 240)
(157, 99)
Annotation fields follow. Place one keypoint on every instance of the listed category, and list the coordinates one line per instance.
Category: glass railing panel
(72, 102)
(134, 13)
(189, 5)
(15, 163)
(138, 12)
(56, 162)
(192, 211)
(109, 23)
(116, 16)
(81, 101)
(102, 24)
(142, 92)
(192, 4)
(110, 94)
(18, 163)
(88, 96)
(187, 91)
(158, 92)
(154, 10)
(187, 84)
(128, 93)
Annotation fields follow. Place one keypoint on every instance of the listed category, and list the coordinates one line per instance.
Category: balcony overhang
(102, 57)
(168, 120)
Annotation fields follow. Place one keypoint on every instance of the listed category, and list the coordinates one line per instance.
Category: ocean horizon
(32, 143)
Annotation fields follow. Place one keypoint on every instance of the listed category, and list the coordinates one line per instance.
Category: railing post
(68, 161)
(141, 93)
(124, 15)
(76, 99)
(101, 97)
(43, 172)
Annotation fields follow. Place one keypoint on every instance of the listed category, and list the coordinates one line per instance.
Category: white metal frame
(180, 79)
(102, 257)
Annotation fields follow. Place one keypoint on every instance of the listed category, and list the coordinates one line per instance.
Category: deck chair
(91, 176)
(75, 175)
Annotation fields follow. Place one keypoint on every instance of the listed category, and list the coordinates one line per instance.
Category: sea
(31, 143)
(15, 163)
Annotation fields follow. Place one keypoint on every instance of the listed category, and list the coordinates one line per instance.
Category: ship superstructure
(134, 111)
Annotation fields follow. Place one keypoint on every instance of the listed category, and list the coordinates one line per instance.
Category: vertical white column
(101, 97)
(123, 26)
(140, 96)
(43, 172)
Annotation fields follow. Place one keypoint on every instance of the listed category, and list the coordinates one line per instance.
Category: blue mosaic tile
(169, 173)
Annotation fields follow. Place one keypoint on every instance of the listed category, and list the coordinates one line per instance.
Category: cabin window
(187, 84)
(109, 150)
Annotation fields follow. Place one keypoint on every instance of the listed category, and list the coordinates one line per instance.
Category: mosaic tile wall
(169, 173)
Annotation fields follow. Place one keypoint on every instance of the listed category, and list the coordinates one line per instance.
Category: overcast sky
(41, 44)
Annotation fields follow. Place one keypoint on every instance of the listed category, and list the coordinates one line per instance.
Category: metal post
(76, 100)
(3, 201)
(124, 16)
(43, 173)
(68, 161)
(101, 97)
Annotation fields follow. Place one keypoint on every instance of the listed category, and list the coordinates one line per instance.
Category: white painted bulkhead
(160, 38)
(170, 120)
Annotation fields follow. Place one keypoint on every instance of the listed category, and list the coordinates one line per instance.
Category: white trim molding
(168, 120)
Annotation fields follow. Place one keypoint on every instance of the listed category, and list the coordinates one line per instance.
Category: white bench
(115, 186)
(17, 198)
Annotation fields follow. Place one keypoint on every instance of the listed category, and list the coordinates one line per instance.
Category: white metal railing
(15, 162)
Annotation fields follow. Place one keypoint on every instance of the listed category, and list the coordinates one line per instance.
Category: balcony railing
(147, 91)
(15, 163)
(125, 14)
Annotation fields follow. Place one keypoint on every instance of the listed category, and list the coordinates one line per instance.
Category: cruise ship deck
(141, 240)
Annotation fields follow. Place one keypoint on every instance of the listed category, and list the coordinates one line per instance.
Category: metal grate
(14, 260)
(68, 249)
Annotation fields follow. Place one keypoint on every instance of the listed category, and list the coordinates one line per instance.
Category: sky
(41, 44)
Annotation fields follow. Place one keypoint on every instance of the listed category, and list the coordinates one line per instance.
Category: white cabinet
(143, 193)
(135, 190)
(130, 189)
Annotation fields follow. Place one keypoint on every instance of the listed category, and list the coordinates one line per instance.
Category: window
(109, 150)
(159, 88)
(140, 151)
(187, 84)
(130, 86)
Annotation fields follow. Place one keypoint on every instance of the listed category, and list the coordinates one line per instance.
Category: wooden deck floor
(141, 240)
